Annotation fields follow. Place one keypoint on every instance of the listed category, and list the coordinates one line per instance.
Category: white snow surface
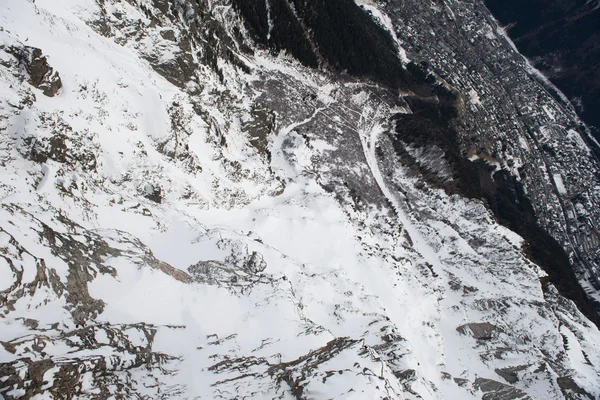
(389, 286)
(558, 181)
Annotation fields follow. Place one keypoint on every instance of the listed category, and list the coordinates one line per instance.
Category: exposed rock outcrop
(41, 74)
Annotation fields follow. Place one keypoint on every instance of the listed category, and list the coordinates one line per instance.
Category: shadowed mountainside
(562, 39)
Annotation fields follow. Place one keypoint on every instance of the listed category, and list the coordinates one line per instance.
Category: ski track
(429, 348)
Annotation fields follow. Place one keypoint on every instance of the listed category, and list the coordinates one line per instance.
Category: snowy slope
(163, 237)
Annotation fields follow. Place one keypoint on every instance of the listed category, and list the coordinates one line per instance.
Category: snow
(385, 21)
(549, 112)
(524, 143)
(332, 271)
(474, 98)
(429, 349)
(576, 137)
(577, 356)
(558, 181)
(7, 277)
(101, 337)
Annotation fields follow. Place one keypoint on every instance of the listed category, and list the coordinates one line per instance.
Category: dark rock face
(334, 33)
(42, 75)
(177, 71)
(494, 390)
(503, 118)
(511, 374)
(63, 146)
(571, 390)
(563, 41)
(153, 193)
(255, 263)
(479, 330)
(259, 127)
(32, 375)
(340, 35)
(433, 124)
(287, 33)
(507, 199)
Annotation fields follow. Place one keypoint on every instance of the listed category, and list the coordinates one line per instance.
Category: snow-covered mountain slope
(186, 214)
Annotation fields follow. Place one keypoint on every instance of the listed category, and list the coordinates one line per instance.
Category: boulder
(41, 74)
(479, 330)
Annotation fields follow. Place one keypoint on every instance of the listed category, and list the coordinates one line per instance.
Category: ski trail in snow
(47, 177)
(279, 162)
(293, 126)
(369, 141)
(417, 325)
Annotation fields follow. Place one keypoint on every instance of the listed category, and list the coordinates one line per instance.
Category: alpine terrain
(290, 199)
